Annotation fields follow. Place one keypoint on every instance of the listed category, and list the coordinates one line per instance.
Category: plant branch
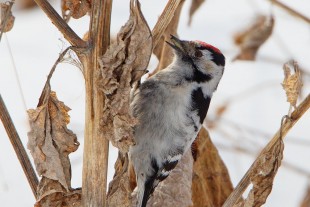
(291, 11)
(63, 27)
(96, 146)
(18, 147)
(285, 127)
(164, 20)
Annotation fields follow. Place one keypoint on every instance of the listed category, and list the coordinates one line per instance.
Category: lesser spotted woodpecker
(171, 107)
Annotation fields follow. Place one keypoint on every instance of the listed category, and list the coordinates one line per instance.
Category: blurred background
(245, 112)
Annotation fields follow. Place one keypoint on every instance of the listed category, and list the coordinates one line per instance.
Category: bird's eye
(198, 53)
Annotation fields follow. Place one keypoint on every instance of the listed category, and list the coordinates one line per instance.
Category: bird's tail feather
(146, 195)
(151, 184)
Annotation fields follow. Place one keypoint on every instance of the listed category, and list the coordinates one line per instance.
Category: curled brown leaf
(252, 38)
(52, 194)
(292, 83)
(262, 176)
(119, 188)
(122, 65)
(74, 8)
(6, 17)
(50, 141)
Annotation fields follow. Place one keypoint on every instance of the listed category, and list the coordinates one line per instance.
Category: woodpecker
(171, 107)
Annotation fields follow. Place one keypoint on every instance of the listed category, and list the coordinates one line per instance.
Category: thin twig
(47, 83)
(290, 10)
(286, 126)
(16, 74)
(257, 132)
(63, 27)
(18, 147)
(164, 20)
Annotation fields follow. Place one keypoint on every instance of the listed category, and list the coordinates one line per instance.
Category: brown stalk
(287, 125)
(164, 20)
(63, 27)
(18, 147)
(96, 146)
(290, 10)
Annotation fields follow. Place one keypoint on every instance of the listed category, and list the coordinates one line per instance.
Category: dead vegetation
(110, 71)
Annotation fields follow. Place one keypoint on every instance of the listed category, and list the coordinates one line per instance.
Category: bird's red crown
(206, 45)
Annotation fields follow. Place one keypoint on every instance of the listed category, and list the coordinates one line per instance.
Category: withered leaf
(194, 7)
(122, 65)
(74, 8)
(6, 17)
(211, 182)
(50, 141)
(292, 83)
(52, 194)
(252, 38)
(262, 176)
(119, 188)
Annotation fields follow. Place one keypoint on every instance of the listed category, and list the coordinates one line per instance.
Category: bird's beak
(176, 44)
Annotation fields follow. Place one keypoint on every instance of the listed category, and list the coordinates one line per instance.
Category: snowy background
(28, 52)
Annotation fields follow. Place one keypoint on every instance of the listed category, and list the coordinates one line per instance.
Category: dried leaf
(211, 182)
(6, 17)
(262, 176)
(306, 200)
(292, 83)
(175, 190)
(52, 194)
(123, 64)
(74, 8)
(50, 143)
(252, 38)
(194, 7)
(119, 187)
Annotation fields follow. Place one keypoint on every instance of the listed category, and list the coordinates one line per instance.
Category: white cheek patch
(207, 54)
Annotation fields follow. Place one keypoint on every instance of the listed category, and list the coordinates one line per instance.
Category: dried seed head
(6, 17)
(292, 83)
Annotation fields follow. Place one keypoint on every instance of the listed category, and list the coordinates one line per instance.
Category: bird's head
(204, 57)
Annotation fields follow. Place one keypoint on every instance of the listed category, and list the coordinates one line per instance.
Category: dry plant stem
(19, 148)
(290, 10)
(286, 126)
(96, 147)
(63, 27)
(164, 20)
